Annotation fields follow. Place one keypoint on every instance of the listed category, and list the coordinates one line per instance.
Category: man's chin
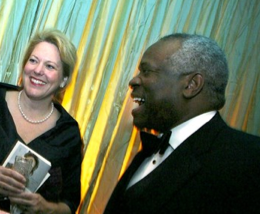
(141, 126)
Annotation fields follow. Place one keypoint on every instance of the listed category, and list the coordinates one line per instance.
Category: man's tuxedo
(215, 170)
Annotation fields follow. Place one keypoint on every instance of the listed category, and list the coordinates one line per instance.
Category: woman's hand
(11, 182)
(29, 202)
(33, 203)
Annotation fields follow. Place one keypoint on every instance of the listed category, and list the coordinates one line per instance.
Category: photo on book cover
(39, 169)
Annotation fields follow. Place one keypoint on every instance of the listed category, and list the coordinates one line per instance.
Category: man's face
(157, 89)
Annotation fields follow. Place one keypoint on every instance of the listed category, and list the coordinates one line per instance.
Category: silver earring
(62, 84)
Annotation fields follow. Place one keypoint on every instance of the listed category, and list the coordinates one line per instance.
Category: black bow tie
(152, 144)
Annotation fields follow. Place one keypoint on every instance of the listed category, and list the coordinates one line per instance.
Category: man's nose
(135, 81)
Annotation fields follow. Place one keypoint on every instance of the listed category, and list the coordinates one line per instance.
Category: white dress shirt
(179, 134)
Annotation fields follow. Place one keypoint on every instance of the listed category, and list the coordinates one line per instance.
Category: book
(39, 174)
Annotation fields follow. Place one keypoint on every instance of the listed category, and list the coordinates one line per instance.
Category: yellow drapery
(110, 36)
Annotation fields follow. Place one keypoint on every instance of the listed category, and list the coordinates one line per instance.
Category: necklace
(29, 120)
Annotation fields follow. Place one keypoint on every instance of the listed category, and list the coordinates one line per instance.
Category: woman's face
(43, 72)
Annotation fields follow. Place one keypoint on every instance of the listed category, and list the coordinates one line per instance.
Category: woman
(30, 113)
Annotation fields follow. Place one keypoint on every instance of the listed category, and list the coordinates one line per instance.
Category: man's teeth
(139, 100)
(38, 82)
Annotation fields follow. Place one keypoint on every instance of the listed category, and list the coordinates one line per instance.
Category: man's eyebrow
(145, 64)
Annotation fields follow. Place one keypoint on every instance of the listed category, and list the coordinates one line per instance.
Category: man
(206, 166)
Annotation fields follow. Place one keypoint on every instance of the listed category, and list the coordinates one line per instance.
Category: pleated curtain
(111, 36)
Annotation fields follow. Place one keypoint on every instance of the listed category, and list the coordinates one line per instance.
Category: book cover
(40, 171)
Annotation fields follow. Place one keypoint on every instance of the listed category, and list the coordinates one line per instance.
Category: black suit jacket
(215, 170)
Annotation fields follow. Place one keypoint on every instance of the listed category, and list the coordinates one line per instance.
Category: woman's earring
(62, 85)
(64, 82)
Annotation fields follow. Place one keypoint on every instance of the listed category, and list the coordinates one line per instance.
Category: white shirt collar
(186, 129)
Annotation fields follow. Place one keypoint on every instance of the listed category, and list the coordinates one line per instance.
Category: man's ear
(194, 84)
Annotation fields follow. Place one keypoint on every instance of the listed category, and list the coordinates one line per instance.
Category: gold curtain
(110, 36)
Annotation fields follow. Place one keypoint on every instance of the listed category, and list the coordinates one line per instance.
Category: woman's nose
(38, 69)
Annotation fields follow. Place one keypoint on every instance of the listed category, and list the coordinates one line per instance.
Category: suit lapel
(164, 181)
(116, 203)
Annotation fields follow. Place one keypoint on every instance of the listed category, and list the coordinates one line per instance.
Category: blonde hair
(68, 54)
